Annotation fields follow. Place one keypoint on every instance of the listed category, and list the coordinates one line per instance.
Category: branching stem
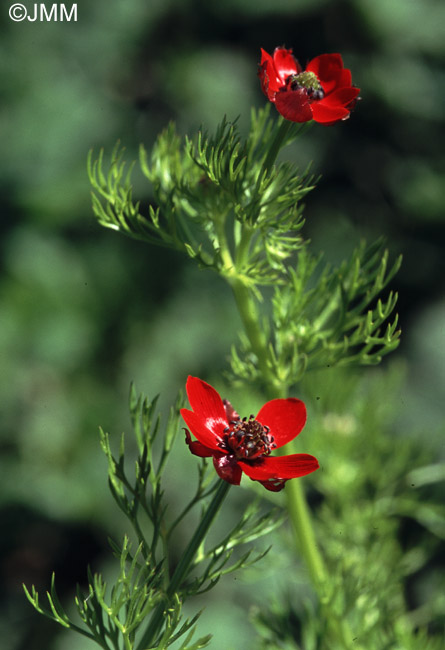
(184, 565)
(296, 502)
(297, 505)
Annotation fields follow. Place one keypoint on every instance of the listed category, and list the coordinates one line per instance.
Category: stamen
(248, 438)
(307, 80)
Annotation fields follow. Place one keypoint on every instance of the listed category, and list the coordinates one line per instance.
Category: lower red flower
(323, 92)
(244, 445)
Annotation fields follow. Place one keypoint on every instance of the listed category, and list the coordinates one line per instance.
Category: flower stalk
(300, 517)
(275, 147)
(184, 566)
(297, 505)
(299, 513)
(250, 317)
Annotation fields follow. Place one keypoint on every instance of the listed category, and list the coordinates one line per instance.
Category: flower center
(308, 81)
(247, 438)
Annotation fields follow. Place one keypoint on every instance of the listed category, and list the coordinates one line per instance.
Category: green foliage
(336, 318)
(217, 198)
(119, 213)
(228, 204)
(324, 316)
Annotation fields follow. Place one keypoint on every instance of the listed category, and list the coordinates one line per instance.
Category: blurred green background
(84, 311)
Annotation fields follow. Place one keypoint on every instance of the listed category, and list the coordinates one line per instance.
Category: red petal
(325, 66)
(265, 57)
(340, 97)
(231, 414)
(202, 430)
(284, 417)
(206, 403)
(329, 70)
(280, 467)
(197, 448)
(203, 398)
(274, 485)
(228, 469)
(264, 80)
(344, 79)
(285, 63)
(294, 105)
(270, 81)
(328, 114)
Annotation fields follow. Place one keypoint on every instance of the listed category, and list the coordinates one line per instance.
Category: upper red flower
(243, 445)
(323, 92)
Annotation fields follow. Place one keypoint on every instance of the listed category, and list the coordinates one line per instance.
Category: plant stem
(301, 522)
(224, 250)
(184, 565)
(271, 156)
(242, 249)
(296, 502)
(276, 145)
(250, 317)
(198, 537)
(297, 506)
(299, 512)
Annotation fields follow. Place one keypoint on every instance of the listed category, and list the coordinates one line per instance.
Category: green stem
(271, 156)
(301, 520)
(304, 532)
(285, 126)
(276, 145)
(296, 502)
(184, 565)
(242, 249)
(224, 250)
(198, 537)
(297, 505)
(250, 317)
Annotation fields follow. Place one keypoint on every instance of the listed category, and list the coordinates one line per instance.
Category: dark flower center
(247, 438)
(308, 81)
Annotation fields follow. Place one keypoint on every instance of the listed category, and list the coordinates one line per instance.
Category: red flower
(323, 92)
(243, 445)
